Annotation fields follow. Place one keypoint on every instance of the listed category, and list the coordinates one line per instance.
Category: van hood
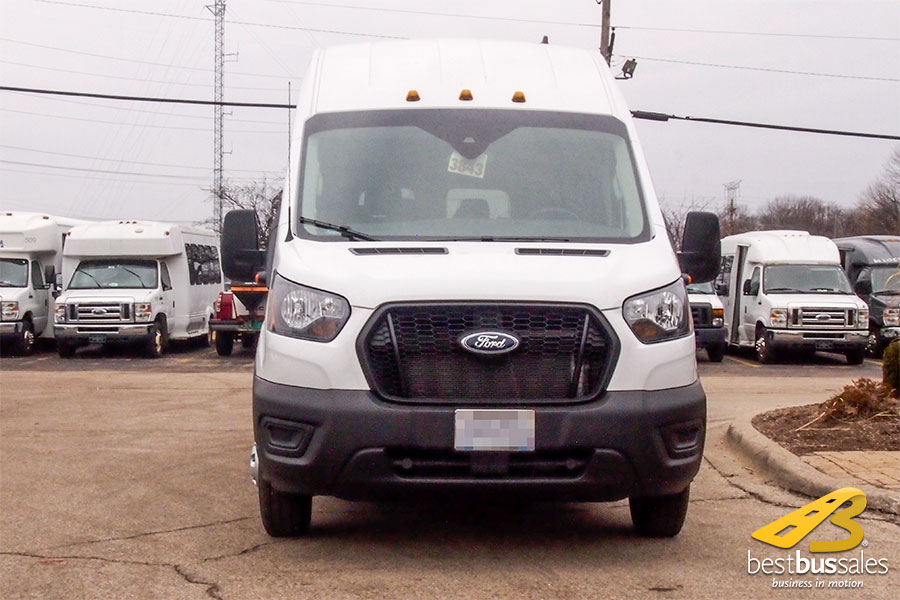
(106, 294)
(369, 274)
(817, 300)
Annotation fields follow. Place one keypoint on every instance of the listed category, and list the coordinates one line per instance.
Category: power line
(196, 186)
(175, 127)
(434, 14)
(655, 116)
(141, 98)
(86, 170)
(145, 62)
(107, 76)
(192, 18)
(744, 68)
(134, 162)
(762, 33)
(638, 114)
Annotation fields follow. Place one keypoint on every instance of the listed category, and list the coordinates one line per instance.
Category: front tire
(65, 349)
(224, 343)
(875, 347)
(765, 354)
(25, 342)
(716, 353)
(660, 516)
(284, 515)
(155, 345)
(855, 356)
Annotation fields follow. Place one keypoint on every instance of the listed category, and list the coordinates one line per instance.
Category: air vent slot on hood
(562, 252)
(371, 251)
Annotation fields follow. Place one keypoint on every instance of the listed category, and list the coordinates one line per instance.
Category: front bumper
(235, 326)
(105, 333)
(819, 339)
(353, 445)
(710, 336)
(11, 327)
(889, 333)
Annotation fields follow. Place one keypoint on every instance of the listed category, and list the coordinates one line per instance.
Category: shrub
(863, 399)
(891, 366)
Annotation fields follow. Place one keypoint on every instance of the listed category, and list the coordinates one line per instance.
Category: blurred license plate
(824, 345)
(490, 429)
(97, 339)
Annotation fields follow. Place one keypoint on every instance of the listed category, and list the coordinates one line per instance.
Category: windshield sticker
(471, 168)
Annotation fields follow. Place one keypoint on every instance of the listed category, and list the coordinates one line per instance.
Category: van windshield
(114, 273)
(470, 174)
(805, 279)
(886, 280)
(13, 272)
(701, 288)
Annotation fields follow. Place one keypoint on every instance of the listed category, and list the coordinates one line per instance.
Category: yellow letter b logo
(790, 529)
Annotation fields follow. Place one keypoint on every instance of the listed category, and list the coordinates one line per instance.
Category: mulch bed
(783, 426)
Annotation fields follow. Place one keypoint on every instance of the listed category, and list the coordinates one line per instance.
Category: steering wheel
(554, 212)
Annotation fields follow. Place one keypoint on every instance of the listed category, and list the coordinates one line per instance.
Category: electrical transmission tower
(218, 10)
(732, 189)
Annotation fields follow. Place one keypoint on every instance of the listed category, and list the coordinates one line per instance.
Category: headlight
(862, 318)
(718, 319)
(892, 317)
(778, 317)
(659, 315)
(142, 311)
(9, 311)
(302, 312)
(59, 313)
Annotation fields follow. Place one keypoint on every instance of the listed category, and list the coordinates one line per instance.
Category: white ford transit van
(786, 290)
(136, 281)
(30, 257)
(471, 290)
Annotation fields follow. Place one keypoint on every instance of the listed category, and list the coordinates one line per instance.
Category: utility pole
(732, 189)
(605, 45)
(218, 10)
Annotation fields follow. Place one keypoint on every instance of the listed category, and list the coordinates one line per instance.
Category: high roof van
(471, 291)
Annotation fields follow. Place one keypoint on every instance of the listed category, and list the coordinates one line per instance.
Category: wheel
(284, 515)
(202, 341)
(855, 356)
(248, 340)
(65, 349)
(660, 516)
(25, 342)
(155, 345)
(874, 348)
(716, 353)
(224, 343)
(806, 354)
(764, 351)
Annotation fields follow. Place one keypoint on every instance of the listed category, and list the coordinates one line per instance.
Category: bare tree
(259, 196)
(878, 210)
(804, 213)
(740, 221)
(674, 214)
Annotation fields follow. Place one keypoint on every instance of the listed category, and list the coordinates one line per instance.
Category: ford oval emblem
(489, 342)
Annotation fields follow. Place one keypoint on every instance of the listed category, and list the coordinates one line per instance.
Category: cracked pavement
(132, 484)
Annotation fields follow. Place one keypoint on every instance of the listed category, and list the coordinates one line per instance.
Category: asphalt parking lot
(128, 477)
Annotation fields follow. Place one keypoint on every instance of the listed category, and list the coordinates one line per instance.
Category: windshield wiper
(829, 291)
(143, 285)
(342, 229)
(786, 289)
(499, 238)
(89, 275)
(887, 292)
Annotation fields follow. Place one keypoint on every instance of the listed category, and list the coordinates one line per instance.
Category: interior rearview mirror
(241, 257)
(701, 249)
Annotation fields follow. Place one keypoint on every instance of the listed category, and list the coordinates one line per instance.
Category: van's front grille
(702, 315)
(823, 318)
(447, 464)
(100, 312)
(413, 353)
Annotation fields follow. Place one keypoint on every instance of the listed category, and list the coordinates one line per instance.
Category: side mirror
(49, 275)
(864, 287)
(241, 256)
(750, 288)
(701, 249)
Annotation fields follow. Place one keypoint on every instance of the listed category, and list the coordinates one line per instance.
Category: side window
(37, 276)
(164, 276)
(203, 264)
(754, 281)
(724, 276)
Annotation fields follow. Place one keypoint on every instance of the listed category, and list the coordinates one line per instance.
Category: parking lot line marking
(183, 360)
(42, 358)
(743, 362)
(875, 362)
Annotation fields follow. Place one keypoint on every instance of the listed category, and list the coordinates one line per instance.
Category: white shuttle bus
(30, 257)
(471, 290)
(136, 281)
(786, 290)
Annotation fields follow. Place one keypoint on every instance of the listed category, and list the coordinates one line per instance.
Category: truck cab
(872, 264)
(30, 256)
(786, 291)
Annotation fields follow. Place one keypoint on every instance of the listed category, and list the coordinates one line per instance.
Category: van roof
(783, 246)
(131, 238)
(32, 232)
(380, 75)
(870, 249)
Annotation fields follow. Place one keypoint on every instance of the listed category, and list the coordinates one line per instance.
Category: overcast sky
(826, 64)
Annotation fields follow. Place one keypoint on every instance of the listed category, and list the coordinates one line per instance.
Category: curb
(791, 472)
